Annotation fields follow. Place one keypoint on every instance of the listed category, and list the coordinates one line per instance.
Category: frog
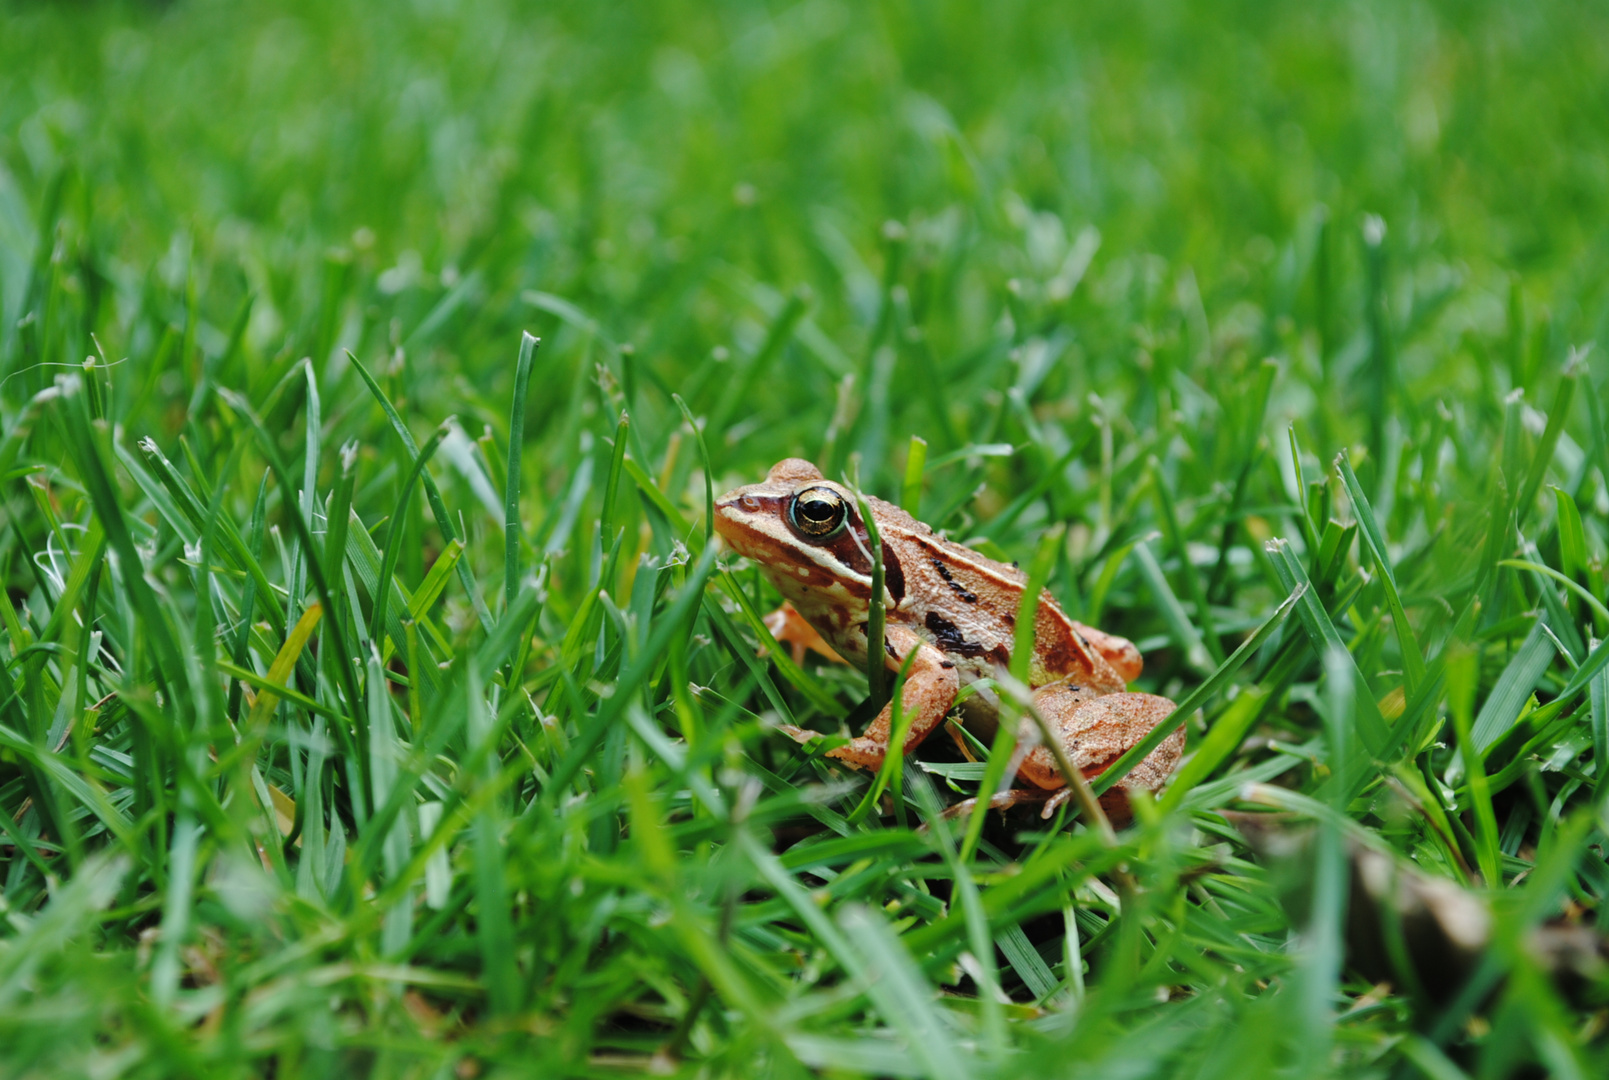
(950, 623)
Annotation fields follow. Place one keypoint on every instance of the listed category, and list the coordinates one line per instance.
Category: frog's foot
(1115, 804)
(790, 628)
(1001, 800)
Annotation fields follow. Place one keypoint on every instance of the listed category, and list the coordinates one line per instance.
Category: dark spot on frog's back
(949, 579)
(949, 636)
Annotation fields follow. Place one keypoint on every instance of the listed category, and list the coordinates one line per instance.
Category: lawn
(376, 701)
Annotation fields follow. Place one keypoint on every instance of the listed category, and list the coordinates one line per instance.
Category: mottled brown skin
(952, 612)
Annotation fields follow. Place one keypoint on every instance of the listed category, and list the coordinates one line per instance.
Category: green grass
(336, 741)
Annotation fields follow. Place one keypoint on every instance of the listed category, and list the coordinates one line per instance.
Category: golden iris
(818, 512)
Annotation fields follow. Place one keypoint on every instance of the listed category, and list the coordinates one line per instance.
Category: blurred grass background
(1141, 269)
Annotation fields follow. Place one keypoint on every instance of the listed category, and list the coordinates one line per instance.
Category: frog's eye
(818, 512)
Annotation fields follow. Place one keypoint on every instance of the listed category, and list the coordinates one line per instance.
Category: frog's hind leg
(930, 688)
(1096, 729)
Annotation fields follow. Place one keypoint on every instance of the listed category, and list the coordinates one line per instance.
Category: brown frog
(956, 611)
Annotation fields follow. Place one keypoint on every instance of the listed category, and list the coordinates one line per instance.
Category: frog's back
(966, 604)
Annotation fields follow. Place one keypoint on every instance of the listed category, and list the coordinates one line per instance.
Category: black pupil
(818, 513)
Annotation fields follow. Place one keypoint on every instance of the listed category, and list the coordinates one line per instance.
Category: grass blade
(1322, 634)
(915, 462)
(1557, 415)
(1005, 740)
(1185, 633)
(704, 461)
(1513, 688)
(902, 995)
(876, 618)
(495, 935)
(1202, 627)
(1599, 698)
(1462, 674)
(1413, 661)
(437, 508)
(381, 592)
(279, 672)
(511, 493)
(1222, 740)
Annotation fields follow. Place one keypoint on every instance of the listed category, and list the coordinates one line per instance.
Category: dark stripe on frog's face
(848, 546)
(852, 546)
(893, 575)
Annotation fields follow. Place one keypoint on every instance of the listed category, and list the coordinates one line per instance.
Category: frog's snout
(747, 520)
(730, 511)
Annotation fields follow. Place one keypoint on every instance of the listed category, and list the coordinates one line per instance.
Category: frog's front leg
(931, 684)
(792, 629)
(1096, 729)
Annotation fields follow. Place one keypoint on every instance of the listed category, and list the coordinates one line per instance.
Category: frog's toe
(802, 736)
(1055, 802)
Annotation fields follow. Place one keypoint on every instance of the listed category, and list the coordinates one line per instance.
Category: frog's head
(805, 532)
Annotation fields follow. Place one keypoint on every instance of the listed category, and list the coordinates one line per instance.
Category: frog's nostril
(750, 502)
